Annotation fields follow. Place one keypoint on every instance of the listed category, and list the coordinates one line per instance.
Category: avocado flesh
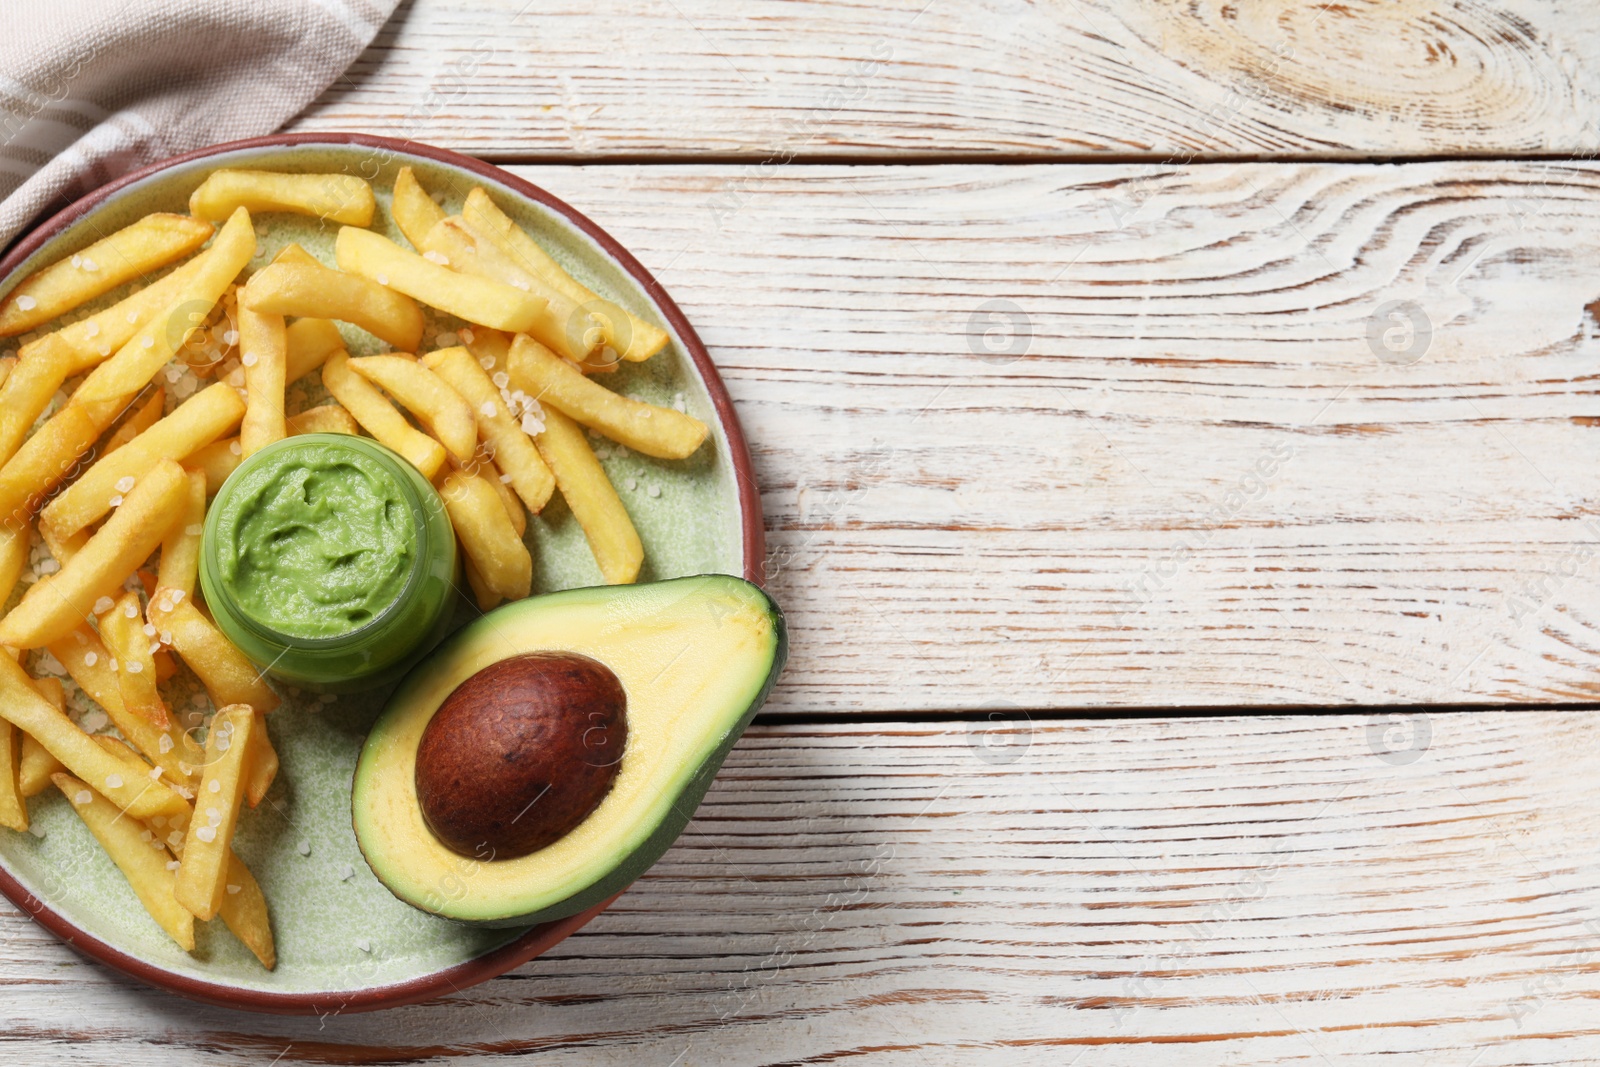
(696, 656)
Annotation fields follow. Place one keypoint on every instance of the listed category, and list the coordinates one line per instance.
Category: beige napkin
(91, 89)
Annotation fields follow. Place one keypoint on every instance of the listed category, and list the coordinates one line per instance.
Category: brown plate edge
(538, 939)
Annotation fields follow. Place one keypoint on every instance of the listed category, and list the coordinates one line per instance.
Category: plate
(344, 943)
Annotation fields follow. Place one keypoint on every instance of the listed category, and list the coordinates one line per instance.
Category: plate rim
(538, 939)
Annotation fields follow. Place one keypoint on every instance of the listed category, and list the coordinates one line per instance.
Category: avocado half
(696, 658)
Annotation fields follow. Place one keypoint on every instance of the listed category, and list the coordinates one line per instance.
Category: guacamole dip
(314, 541)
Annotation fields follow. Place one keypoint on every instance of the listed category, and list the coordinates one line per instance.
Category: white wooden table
(1129, 385)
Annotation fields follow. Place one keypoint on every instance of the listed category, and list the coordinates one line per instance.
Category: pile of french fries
(112, 478)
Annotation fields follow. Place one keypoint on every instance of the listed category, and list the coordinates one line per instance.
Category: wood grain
(930, 79)
(1319, 889)
(1210, 477)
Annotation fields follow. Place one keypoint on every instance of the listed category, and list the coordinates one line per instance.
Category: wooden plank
(761, 79)
(1207, 479)
(1243, 891)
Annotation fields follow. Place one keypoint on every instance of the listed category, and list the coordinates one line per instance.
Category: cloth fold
(91, 89)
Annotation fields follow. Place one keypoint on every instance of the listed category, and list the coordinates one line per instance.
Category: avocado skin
(636, 862)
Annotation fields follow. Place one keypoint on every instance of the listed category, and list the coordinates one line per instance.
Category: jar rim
(402, 471)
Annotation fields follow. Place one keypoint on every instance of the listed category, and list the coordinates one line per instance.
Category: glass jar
(381, 647)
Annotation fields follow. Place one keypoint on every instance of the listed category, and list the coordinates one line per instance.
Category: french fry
(314, 290)
(62, 549)
(630, 336)
(486, 535)
(476, 299)
(227, 673)
(46, 458)
(377, 416)
(563, 325)
(89, 662)
(308, 342)
(486, 597)
(138, 421)
(342, 198)
(52, 690)
(261, 763)
(13, 557)
(180, 549)
(425, 395)
(33, 776)
(126, 784)
(122, 630)
(193, 424)
(202, 881)
(263, 351)
(59, 603)
(491, 348)
(508, 500)
(221, 458)
(593, 500)
(13, 805)
(656, 431)
(413, 209)
(148, 244)
(244, 909)
(144, 867)
(24, 396)
(137, 361)
(511, 449)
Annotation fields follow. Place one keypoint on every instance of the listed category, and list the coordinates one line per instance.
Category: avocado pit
(520, 753)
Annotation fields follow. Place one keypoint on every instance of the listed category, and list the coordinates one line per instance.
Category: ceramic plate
(344, 943)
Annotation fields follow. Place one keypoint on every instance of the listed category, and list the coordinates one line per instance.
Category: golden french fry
(476, 299)
(221, 458)
(342, 198)
(510, 447)
(413, 209)
(486, 597)
(24, 396)
(33, 775)
(137, 422)
(89, 663)
(13, 805)
(146, 245)
(508, 500)
(308, 343)
(180, 550)
(261, 763)
(486, 535)
(46, 458)
(202, 881)
(122, 630)
(594, 503)
(126, 784)
(144, 866)
(314, 290)
(377, 416)
(193, 424)
(263, 351)
(425, 395)
(656, 431)
(563, 325)
(154, 346)
(59, 603)
(227, 673)
(244, 909)
(62, 549)
(13, 557)
(630, 336)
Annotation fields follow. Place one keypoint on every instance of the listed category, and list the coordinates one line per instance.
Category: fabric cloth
(91, 89)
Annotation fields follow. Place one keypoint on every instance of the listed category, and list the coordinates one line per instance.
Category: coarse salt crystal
(524, 286)
(175, 838)
(49, 566)
(234, 889)
(177, 596)
(133, 316)
(155, 772)
(223, 743)
(27, 303)
(135, 667)
(248, 359)
(163, 605)
(131, 611)
(111, 663)
(489, 409)
(505, 479)
(148, 342)
(166, 637)
(364, 945)
(206, 833)
(447, 339)
(230, 337)
(433, 256)
(113, 781)
(632, 483)
(92, 330)
(467, 336)
(83, 796)
(215, 786)
(172, 865)
(165, 744)
(532, 424)
(655, 490)
(174, 372)
(77, 261)
(304, 848)
(501, 379)
(149, 629)
(487, 363)
(235, 447)
(213, 817)
(382, 279)
(101, 606)
(158, 821)
(116, 501)
(346, 872)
